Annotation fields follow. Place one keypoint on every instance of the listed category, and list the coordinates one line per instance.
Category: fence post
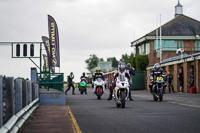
(29, 91)
(1, 101)
(36, 90)
(33, 91)
(18, 95)
(10, 105)
(24, 93)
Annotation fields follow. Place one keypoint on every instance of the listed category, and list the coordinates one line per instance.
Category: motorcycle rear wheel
(98, 97)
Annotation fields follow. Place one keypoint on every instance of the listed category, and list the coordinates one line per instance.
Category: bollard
(29, 91)
(1, 101)
(18, 95)
(10, 98)
(24, 93)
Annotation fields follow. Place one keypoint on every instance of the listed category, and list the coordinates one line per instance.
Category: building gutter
(177, 61)
(174, 38)
(138, 41)
(142, 39)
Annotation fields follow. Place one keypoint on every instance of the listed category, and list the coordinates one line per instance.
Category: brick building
(182, 33)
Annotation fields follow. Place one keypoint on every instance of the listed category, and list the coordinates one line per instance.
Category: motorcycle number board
(159, 78)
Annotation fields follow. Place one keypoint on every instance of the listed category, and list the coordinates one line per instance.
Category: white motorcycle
(121, 91)
(99, 87)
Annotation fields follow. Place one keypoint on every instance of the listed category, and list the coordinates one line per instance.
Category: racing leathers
(98, 75)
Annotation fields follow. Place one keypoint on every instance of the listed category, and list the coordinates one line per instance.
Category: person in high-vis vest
(70, 83)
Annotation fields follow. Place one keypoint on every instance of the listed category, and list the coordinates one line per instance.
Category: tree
(114, 62)
(125, 58)
(92, 62)
(132, 60)
(141, 62)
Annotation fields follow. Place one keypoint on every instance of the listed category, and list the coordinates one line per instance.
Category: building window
(197, 45)
(169, 45)
(179, 44)
(141, 49)
(157, 45)
(147, 48)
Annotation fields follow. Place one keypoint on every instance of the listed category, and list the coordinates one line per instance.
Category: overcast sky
(101, 27)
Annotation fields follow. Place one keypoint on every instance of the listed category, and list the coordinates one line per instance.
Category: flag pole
(160, 41)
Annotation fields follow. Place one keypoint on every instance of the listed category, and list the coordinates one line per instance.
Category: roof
(184, 56)
(179, 26)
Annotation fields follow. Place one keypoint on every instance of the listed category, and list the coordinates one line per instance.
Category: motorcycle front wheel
(155, 97)
(123, 97)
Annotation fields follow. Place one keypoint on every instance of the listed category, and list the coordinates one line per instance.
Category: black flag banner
(54, 41)
(47, 46)
(46, 64)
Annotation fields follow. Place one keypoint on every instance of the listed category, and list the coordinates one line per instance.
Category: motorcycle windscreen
(99, 79)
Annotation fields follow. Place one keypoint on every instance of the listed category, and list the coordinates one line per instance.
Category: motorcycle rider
(156, 72)
(83, 77)
(132, 72)
(97, 74)
(120, 71)
(70, 83)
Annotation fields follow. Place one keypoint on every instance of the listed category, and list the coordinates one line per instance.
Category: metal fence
(139, 81)
(16, 98)
(51, 80)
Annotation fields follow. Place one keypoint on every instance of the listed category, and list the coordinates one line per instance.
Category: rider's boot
(130, 96)
(151, 86)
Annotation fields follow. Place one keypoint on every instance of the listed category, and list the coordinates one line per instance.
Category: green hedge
(141, 62)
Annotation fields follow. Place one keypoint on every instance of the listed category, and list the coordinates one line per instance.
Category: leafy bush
(141, 62)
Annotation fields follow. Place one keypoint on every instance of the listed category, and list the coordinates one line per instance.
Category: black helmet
(129, 65)
(121, 66)
(157, 66)
(83, 74)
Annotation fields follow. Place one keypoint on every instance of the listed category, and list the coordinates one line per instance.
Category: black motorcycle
(159, 88)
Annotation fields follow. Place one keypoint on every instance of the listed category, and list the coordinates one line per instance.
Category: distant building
(105, 66)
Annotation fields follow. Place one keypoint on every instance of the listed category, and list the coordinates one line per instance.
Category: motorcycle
(121, 91)
(99, 87)
(159, 89)
(82, 86)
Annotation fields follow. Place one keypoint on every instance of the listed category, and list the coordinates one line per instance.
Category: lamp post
(180, 50)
